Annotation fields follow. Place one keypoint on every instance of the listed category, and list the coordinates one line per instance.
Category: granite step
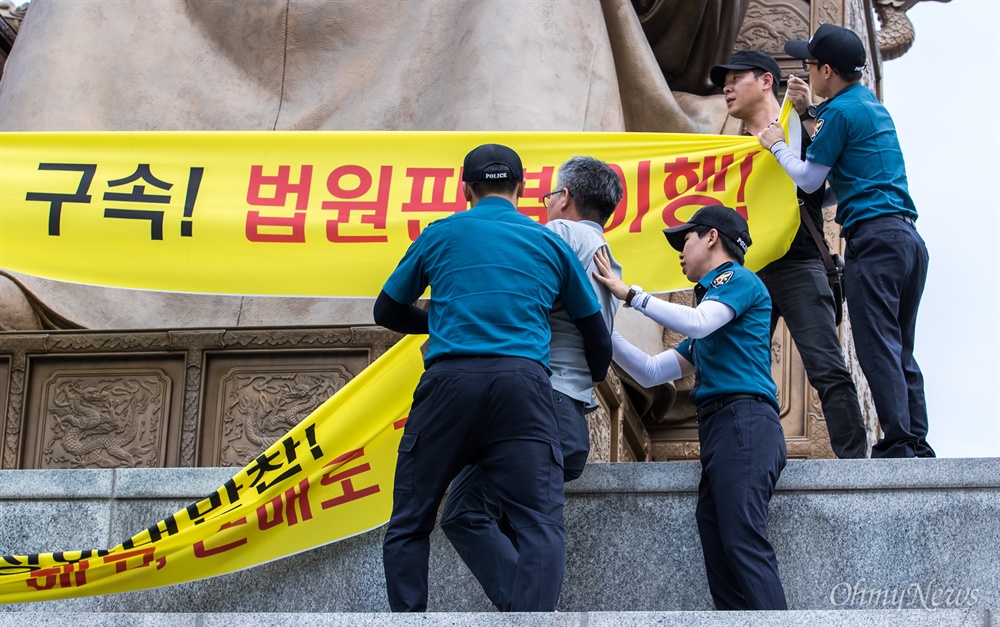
(828, 618)
(851, 536)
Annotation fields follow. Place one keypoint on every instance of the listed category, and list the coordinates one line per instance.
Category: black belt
(849, 232)
(443, 358)
(709, 409)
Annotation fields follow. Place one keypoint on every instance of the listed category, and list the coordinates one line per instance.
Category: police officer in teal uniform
(742, 442)
(485, 397)
(855, 148)
(585, 197)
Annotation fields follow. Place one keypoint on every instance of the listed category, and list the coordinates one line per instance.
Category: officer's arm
(696, 322)
(596, 345)
(398, 317)
(649, 370)
(808, 175)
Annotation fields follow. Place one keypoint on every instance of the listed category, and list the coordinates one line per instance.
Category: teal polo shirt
(494, 275)
(856, 138)
(736, 358)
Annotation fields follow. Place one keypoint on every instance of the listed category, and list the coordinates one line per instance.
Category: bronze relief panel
(252, 400)
(102, 412)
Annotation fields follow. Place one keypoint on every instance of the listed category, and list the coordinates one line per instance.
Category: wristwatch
(808, 114)
(633, 291)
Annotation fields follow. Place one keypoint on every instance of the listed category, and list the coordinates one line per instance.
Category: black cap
(747, 60)
(723, 219)
(833, 45)
(481, 158)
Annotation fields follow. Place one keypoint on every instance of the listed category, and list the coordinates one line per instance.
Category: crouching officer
(742, 443)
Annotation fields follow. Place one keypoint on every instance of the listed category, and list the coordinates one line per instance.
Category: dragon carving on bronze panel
(102, 422)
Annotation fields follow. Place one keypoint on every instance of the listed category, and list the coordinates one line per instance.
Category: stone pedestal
(850, 535)
(196, 397)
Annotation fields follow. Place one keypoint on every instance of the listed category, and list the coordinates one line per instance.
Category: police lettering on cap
(747, 60)
(836, 46)
(484, 157)
(723, 219)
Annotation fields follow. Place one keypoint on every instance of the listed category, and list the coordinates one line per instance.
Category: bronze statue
(346, 65)
(586, 65)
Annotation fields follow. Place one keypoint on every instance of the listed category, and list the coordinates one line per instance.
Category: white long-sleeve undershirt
(695, 322)
(807, 175)
(647, 370)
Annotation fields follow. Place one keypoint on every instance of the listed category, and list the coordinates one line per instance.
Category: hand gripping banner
(330, 213)
(327, 479)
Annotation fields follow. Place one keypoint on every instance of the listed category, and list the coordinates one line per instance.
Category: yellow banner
(330, 213)
(328, 478)
(314, 214)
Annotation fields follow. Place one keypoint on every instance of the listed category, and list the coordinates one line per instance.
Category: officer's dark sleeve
(596, 345)
(398, 317)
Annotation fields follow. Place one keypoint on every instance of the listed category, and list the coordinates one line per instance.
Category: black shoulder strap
(824, 250)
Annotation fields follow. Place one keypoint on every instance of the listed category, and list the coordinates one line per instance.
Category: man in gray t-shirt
(585, 197)
(574, 391)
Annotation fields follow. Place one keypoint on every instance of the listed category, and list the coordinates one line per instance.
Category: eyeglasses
(545, 197)
(807, 62)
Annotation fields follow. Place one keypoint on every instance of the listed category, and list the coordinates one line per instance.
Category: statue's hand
(799, 94)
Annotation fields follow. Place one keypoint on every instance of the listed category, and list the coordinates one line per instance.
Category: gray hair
(595, 187)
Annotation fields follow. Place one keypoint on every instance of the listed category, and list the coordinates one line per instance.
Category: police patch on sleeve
(722, 279)
(819, 125)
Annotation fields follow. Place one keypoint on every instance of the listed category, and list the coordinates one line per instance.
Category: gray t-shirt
(570, 374)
